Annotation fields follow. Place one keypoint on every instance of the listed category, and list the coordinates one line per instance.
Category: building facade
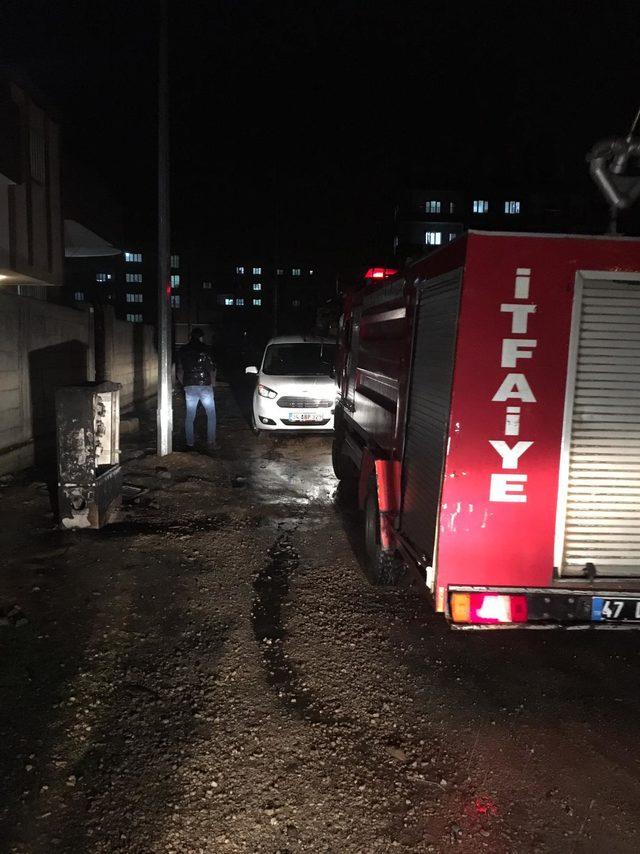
(248, 298)
(426, 219)
(31, 241)
(124, 281)
(127, 281)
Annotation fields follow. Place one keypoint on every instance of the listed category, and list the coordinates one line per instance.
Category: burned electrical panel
(89, 473)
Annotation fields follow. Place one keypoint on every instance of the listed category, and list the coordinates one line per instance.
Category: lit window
(228, 301)
(175, 261)
(134, 318)
(103, 277)
(257, 302)
(452, 236)
(257, 271)
(175, 301)
(295, 271)
(133, 277)
(175, 280)
(240, 301)
(133, 257)
(512, 207)
(78, 296)
(432, 206)
(480, 206)
(279, 272)
(240, 271)
(296, 303)
(311, 272)
(206, 286)
(257, 286)
(433, 238)
(134, 297)
(452, 207)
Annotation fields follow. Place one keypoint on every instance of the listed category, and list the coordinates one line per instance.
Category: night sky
(303, 119)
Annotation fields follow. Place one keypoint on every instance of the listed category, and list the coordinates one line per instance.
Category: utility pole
(276, 307)
(165, 409)
(276, 281)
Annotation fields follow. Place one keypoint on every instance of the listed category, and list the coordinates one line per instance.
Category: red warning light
(379, 273)
(168, 290)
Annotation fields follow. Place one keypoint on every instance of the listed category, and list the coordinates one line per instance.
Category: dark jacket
(196, 363)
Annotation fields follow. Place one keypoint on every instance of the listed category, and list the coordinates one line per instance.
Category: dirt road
(214, 674)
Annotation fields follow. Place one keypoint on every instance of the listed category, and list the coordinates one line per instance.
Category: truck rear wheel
(343, 467)
(383, 567)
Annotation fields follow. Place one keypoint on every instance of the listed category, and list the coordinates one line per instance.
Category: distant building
(128, 282)
(426, 219)
(118, 280)
(251, 298)
(31, 250)
(103, 264)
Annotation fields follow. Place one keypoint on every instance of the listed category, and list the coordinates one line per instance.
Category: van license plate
(303, 417)
(615, 610)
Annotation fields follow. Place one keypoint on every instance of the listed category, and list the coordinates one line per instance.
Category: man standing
(196, 371)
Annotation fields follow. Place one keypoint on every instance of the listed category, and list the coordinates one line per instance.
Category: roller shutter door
(428, 412)
(603, 489)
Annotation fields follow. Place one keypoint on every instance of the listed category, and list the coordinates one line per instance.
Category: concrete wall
(44, 346)
(130, 358)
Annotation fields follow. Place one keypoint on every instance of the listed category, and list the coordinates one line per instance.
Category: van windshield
(307, 360)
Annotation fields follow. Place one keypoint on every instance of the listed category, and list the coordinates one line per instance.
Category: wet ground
(214, 674)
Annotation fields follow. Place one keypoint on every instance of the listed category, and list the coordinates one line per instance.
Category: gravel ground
(214, 674)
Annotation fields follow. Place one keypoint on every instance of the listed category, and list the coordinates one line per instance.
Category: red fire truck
(489, 407)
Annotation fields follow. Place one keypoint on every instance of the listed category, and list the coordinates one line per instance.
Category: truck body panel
(500, 378)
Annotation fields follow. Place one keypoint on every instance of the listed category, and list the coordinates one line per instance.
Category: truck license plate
(615, 610)
(303, 416)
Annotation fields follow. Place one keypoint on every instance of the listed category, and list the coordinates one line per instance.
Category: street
(215, 674)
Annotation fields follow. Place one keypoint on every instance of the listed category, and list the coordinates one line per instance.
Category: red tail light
(489, 608)
(497, 608)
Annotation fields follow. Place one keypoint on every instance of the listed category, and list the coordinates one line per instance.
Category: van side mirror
(251, 370)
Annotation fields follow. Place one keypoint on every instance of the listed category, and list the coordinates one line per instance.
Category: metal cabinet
(88, 436)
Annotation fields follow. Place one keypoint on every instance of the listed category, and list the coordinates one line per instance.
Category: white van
(296, 388)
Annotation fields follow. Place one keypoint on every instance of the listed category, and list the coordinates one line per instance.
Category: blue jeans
(203, 394)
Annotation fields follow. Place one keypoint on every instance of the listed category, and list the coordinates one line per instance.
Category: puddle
(271, 586)
(273, 455)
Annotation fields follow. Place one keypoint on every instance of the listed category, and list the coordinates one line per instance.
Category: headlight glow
(265, 391)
